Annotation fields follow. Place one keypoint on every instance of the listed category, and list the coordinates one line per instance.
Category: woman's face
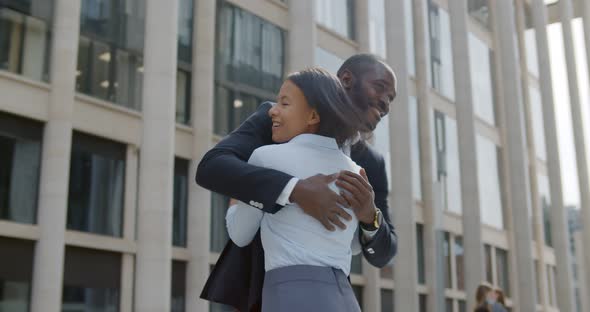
(292, 115)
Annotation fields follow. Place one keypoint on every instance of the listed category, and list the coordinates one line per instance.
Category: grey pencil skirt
(307, 288)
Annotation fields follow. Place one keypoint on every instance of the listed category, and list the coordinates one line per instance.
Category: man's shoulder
(365, 152)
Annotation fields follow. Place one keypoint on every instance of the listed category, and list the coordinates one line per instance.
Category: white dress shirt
(290, 236)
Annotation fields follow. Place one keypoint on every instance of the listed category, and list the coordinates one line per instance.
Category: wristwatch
(376, 222)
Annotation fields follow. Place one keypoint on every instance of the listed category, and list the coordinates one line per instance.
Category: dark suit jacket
(237, 277)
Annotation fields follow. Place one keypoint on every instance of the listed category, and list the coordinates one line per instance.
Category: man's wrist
(374, 224)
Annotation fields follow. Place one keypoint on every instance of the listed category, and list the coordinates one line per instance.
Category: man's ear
(346, 78)
(314, 118)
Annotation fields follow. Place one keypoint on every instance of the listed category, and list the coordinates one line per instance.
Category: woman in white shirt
(306, 264)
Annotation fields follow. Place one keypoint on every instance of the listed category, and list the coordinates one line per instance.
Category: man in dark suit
(238, 275)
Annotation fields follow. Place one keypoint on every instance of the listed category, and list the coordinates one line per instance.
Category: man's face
(373, 91)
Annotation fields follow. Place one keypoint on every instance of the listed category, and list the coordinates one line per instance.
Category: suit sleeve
(224, 169)
(381, 249)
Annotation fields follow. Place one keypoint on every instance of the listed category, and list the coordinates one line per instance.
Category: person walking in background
(500, 302)
(482, 294)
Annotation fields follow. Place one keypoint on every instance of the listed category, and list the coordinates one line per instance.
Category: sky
(561, 96)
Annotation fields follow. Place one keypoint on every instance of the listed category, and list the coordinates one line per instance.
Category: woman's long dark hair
(339, 118)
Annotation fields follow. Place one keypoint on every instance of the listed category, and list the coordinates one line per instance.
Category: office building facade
(107, 106)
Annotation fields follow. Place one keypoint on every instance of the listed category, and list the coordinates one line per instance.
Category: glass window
(180, 202)
(490, 200)
(459, 252)
(20, 161)
(377, 27)
(441, 57)
(502, 270)
(356, 265)
(185, 51)
(97, 181)
(481, 78)
(178, 286)
(110, 54)
(16, 270)
(447, 263)
(415, 148)
(423, 303)
(488, 263)
(538, 123)
(449, 305)
(420, 250)
(410, 49)
(249, 65)
(480, 11)
(336, 15)
(328, 60)
(545, 206)
(91, 280)
(358, 293)
(219, 236)
(462, 306)
(387, 300)
(536, 280)
(530, 39)
(551, 285)
(446, 149)
(25, 35)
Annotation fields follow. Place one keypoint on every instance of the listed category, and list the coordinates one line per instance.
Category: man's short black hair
(358, 64)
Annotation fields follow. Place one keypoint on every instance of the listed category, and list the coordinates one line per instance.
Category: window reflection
(336, 15)
(91, 280)
(20, 162)
(25, 33)
(483, 94)
(249, 65)
(441, 57)
(180, 202)
(16, 269)
(110, 54)
(446, 160)
(480, 11)
(97, 181)
(490, 198)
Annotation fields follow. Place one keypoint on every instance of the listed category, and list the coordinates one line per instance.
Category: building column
(55, 163)
(431, 191)
(154, 217)
(537, 225)
(199, 199)
(401, 197)
(566, 16)
(582, 288)
(471, 220)
(128, 259)
(362, 27)
(372, 288)
(560, 233)
(302, 34)
(515, 157)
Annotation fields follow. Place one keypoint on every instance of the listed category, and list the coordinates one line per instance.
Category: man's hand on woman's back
(316, 199)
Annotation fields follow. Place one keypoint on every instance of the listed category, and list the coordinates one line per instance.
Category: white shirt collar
(322, 141)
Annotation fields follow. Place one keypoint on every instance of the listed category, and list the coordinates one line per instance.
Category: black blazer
(237, 277)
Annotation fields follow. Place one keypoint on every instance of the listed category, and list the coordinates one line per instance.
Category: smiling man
(237, 277)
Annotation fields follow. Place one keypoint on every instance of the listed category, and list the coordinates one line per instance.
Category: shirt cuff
(368, 235)
(283, 199)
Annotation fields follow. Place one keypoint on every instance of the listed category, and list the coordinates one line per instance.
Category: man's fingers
(328, 225)
(343, 214)
(350, 188)
(342, 201)
(354, 204)
(336, 220)
(364, 175)
(351, 176)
